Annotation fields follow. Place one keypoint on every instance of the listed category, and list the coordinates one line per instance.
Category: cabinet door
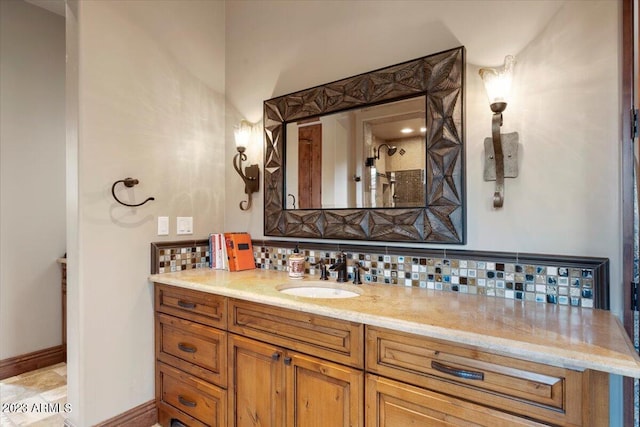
(392, 403)
(322, 393)
(256, 380)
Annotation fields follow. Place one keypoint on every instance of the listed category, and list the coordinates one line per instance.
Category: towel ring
(128, 182)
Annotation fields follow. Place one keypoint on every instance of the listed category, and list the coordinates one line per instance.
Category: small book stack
(217, 252)
(231, 251)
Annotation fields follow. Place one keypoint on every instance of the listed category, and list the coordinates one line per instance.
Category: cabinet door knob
(275, 356)
(186, 304)
(186, 402)
(187, 348)
(287, 361)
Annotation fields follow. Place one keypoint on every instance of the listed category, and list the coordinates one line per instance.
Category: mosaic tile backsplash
(182, 258)
(546, 284)
(568, 285)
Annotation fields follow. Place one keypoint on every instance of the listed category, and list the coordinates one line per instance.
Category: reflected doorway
(310, 166)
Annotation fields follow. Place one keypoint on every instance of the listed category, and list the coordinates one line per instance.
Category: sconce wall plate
(510, 155)
(250, 177)
(252, 173)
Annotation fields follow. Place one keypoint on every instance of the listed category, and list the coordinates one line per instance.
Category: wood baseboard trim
(31, 361)
(145, 415)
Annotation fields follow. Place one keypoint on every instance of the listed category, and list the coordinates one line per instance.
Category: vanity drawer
(531, 389)
(196, 306)
(391, 403)
(191, 396)
(194, 348)
(168, 416)
(331, 339)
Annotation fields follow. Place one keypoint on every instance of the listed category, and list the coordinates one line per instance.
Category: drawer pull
(287, 361)
(275, 356)
(460, 373)
(187, 348)
(186, 304)
(187, 402)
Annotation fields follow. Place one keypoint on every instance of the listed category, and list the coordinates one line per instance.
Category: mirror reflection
(338, 205)
(371, 157)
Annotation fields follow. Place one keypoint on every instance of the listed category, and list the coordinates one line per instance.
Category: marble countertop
(563, 336)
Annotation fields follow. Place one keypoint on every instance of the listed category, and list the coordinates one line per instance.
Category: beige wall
(413, 158)
(565, 104)
(32, 189)
(147, 109)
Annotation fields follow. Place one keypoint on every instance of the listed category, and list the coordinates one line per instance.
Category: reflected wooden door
(310, 166)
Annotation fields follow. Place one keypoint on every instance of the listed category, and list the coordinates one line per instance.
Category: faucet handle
(357, 266)
(323, 269)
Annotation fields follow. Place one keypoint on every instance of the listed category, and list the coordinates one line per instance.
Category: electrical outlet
(163, 226)
(184, 225)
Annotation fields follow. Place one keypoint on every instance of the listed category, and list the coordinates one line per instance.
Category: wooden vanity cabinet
(275, 385)
(429, 379)
(222, 362)
(191, 357)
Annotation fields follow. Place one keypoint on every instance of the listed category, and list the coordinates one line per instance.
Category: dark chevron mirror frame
(442, 220)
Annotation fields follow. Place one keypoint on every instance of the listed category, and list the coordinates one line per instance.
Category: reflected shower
(391, 150)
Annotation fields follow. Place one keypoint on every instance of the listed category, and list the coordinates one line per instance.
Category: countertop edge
(503, 346)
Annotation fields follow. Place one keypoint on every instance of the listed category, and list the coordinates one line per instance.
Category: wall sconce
(391, 150)
(251, 175)
(501, 151)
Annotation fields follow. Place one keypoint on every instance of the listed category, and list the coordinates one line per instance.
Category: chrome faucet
(340, 267)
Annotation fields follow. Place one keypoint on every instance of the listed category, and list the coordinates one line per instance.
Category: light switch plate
(163, 226)
(184, 225)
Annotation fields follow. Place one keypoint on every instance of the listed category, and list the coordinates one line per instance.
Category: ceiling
(266, 57)
(392, 131)
(472, 22)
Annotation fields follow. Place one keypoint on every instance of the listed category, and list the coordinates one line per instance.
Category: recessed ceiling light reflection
(406, 130)
(423, 130)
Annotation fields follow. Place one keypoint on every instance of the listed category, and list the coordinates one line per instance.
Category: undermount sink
(319, 290)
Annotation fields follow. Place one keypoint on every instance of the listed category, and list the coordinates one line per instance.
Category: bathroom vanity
(232, 349)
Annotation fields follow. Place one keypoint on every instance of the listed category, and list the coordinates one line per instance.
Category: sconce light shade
(497, 83)
(242, 134)
(501, 154)
(251, 174)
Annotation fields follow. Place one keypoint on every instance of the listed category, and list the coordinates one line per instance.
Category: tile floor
(36, 398)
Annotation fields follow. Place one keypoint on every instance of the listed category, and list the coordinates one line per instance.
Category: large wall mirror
(378, 156)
